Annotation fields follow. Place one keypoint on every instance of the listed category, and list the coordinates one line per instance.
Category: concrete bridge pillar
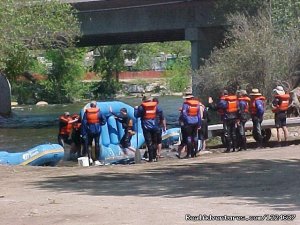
(201, 46)
(5, 96)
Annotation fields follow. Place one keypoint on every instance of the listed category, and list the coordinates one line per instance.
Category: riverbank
(254, 182)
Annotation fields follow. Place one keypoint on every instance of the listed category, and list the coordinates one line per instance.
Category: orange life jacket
(66, 129)
(253, 108)
(150, 110)
(92, 115)
(283, 104)
(221, 111)
(247, 100)
(193, 107)
(232, 106)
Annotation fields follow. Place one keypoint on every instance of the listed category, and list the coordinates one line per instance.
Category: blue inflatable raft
(112, 132)
(41, 155)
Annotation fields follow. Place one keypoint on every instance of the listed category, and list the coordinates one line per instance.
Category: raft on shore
(112, 132)
(41, 155)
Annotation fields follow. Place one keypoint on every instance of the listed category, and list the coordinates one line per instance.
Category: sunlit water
(34, 125)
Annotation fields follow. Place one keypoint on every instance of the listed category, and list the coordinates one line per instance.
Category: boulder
(41, 103)
(5, 96)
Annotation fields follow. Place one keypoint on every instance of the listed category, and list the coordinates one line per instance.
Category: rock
(41, 103)
(5, 97)
(134, 88)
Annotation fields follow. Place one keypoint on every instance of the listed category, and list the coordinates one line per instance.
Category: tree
(64, 78)
(29, 25)
(178, 75)
(109, 61)
(147, 52)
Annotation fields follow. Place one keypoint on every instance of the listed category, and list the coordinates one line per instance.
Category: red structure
(134, 75)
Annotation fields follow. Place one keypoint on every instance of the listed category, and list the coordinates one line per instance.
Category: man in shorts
(280, 106)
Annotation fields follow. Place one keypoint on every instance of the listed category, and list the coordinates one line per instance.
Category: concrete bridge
(106, 22)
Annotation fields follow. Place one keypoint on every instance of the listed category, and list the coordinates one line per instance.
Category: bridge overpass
(106, 22)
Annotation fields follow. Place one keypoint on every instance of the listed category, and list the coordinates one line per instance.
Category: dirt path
(250, 183)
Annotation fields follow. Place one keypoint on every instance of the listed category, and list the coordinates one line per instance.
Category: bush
(178, 75)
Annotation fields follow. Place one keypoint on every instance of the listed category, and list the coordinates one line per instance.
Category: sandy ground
(256, 182)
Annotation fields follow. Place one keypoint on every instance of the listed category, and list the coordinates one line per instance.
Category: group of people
(79, 132)
(236, 109)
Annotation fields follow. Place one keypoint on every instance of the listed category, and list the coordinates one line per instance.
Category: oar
(137, 154)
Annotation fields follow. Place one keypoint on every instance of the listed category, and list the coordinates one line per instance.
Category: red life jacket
(150, 110)
(92, 115)
(67, 127)
(193, 107)
(253, 108)
(232, 105)
(221, 111)
(247, 100)
(283, 104)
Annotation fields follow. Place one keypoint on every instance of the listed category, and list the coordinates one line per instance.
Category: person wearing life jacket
(230, 121)
(257, 110)
(65, 128)
(220, 106)
(243, 117)
(127, 125)
(76, 139)
(203, 131)
(192, 122)
(92, 121)
(183, 139)
(280, 106)
(163, 127)
(149, 111)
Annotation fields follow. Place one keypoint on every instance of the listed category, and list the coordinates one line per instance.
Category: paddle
(137, 154)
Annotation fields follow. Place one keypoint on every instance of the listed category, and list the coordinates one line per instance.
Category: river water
(34, 125)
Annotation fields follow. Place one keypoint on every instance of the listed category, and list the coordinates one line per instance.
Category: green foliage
(146, 52)
(24, 92)
(178, 75)
(64, 79)
(106, 89)
(109, 62)
(27, 25)
(285, 14)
